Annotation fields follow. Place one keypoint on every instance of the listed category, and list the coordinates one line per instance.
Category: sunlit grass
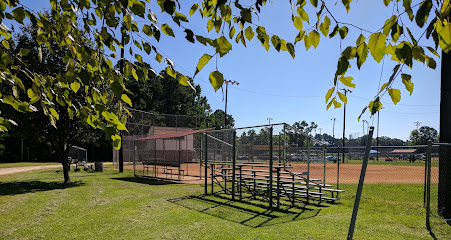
(112, 205)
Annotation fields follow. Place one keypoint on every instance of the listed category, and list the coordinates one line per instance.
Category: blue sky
(274, 85)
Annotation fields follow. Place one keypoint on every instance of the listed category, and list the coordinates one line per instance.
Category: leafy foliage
(85, 31)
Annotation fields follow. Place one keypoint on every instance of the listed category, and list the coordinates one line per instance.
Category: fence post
(324, 167)
(233, 163)
(428, 186)
(206, 162)
(360, 186)
(270, 168)
(308, 170)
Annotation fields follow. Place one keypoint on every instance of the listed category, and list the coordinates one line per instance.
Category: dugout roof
(173, 135)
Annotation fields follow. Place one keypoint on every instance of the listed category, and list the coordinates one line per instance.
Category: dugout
(162, 155)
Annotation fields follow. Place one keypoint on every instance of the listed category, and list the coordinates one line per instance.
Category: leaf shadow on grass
(249, 214)
(14, 188)
(148, 181)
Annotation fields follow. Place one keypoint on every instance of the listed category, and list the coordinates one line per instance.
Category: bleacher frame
(271, 182)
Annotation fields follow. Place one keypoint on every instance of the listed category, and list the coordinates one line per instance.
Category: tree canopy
(423, 135)
(87, 31)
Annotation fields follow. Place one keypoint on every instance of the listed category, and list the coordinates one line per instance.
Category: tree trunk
(444, 184)
(66, 168)
(61, 154)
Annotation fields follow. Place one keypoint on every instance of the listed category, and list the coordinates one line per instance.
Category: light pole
(344, 124)
(333, 128)
(363, 126)
(225, 109)
(269, 120)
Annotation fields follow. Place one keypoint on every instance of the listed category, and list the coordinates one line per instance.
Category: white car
(332, 158)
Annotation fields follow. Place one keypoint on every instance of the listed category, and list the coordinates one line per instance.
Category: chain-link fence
(143, 124)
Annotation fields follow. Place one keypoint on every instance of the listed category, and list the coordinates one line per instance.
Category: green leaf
(389, 24)
(171, 72)
(386, 2)
(193, 9)
(222, 46)
(375, 106)
(297, 22)
(147, 48)
(334, 32)
(336, 104)
(303, 14)
(5, 43)
(75, 86)
(383, 87)
(324, 27)
(169, 6)
(408, 9)
(19, 14)
(307, 42)
(314, 3)
(216, 80)
(343, 32)
(423, 12)
(349, 52)
(202, 62)
(444, 36)
(346, 3)
(290, 49)
(407, 82)
(314, 38)
(189, 35)
(167, 30)
(134, 74)
(182, 79)
(275, 40)
(376, 45)
(249, 33)
(126, 99)
(158, 57)
(54, 113)
(347, 81)
(232, 32)
(329, 93)
(342, 66)
(361, 51)
(395, 95)
(363, 111)
(342, 97)
(433, 51)
(431, 63)
(299, 37)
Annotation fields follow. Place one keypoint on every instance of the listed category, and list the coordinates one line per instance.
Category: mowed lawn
(112, 205)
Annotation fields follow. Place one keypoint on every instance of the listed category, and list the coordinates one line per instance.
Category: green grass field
(26, 164)
(109, 205)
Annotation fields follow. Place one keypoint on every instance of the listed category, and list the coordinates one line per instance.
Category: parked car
(332, 158)
(243, 157)
(420, 156)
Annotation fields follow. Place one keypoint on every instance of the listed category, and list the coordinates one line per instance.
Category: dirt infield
(349, 173)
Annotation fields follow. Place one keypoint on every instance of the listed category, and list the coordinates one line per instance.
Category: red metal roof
(412, 150)
(173, 135)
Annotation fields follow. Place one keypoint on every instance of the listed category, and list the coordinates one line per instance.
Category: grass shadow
(246, 213)
(148, 181)
(14, 188)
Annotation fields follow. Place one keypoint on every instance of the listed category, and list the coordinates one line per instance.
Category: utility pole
(225, 109)
(417, 124)
(344, 125)
(320, 133)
